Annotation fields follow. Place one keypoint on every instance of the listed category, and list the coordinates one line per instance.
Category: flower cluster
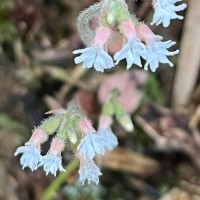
(31, 151)
(140, 41)
(73, 127)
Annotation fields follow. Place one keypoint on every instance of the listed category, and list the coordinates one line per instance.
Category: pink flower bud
(101, 36)
(85, 126)
(128, 29)
(144, 33)
(38, 137)
(57, 146)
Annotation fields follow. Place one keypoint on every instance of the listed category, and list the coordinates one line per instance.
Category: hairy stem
(84, 20)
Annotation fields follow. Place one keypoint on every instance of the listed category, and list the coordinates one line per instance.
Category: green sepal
(51, 124)
(62, 131)
(114, 13)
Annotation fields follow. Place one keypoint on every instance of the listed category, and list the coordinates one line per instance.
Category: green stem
(55, 185)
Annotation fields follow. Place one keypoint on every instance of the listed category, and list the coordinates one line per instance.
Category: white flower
(88, 171)
(131, 52)
(30, 156)
(91, 144)
(110, 139)
(51, 164)
(156, 51)
(165, 10)
(94, 56)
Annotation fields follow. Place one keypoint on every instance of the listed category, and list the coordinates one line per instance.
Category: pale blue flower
(30, 156)
(94, 56)
(165, 10)
(131, 52)
(91, 144)
(156, 51)
(51, 164)
(110, 139)
(89, 171)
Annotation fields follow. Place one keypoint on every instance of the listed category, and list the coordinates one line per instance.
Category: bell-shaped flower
(88, 170)
(91, 143)
(31, 151)
(30, 156)
(95, 55)
(52, 162)
(165, 10)
(110, 139)
(105, 131)
(156, 51)
(132, 49)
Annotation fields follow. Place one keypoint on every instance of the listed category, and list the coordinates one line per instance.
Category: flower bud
(72, 137)
(57, 146)
(38, 137)
(86, 127)
(126, 122)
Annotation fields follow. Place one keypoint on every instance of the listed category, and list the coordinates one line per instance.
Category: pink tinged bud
(128, 29)
(144, 33)
(57, 146)
(101, 36)
(38, 137)
(86, 127)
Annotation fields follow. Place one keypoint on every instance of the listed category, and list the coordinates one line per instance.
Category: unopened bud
(126, 122)
(72, 137)
(38, 137)
(110, 18)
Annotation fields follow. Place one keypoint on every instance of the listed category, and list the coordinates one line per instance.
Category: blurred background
(160, 159)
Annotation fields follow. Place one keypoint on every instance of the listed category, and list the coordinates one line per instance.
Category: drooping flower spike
(71, 126)
(165, 11)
